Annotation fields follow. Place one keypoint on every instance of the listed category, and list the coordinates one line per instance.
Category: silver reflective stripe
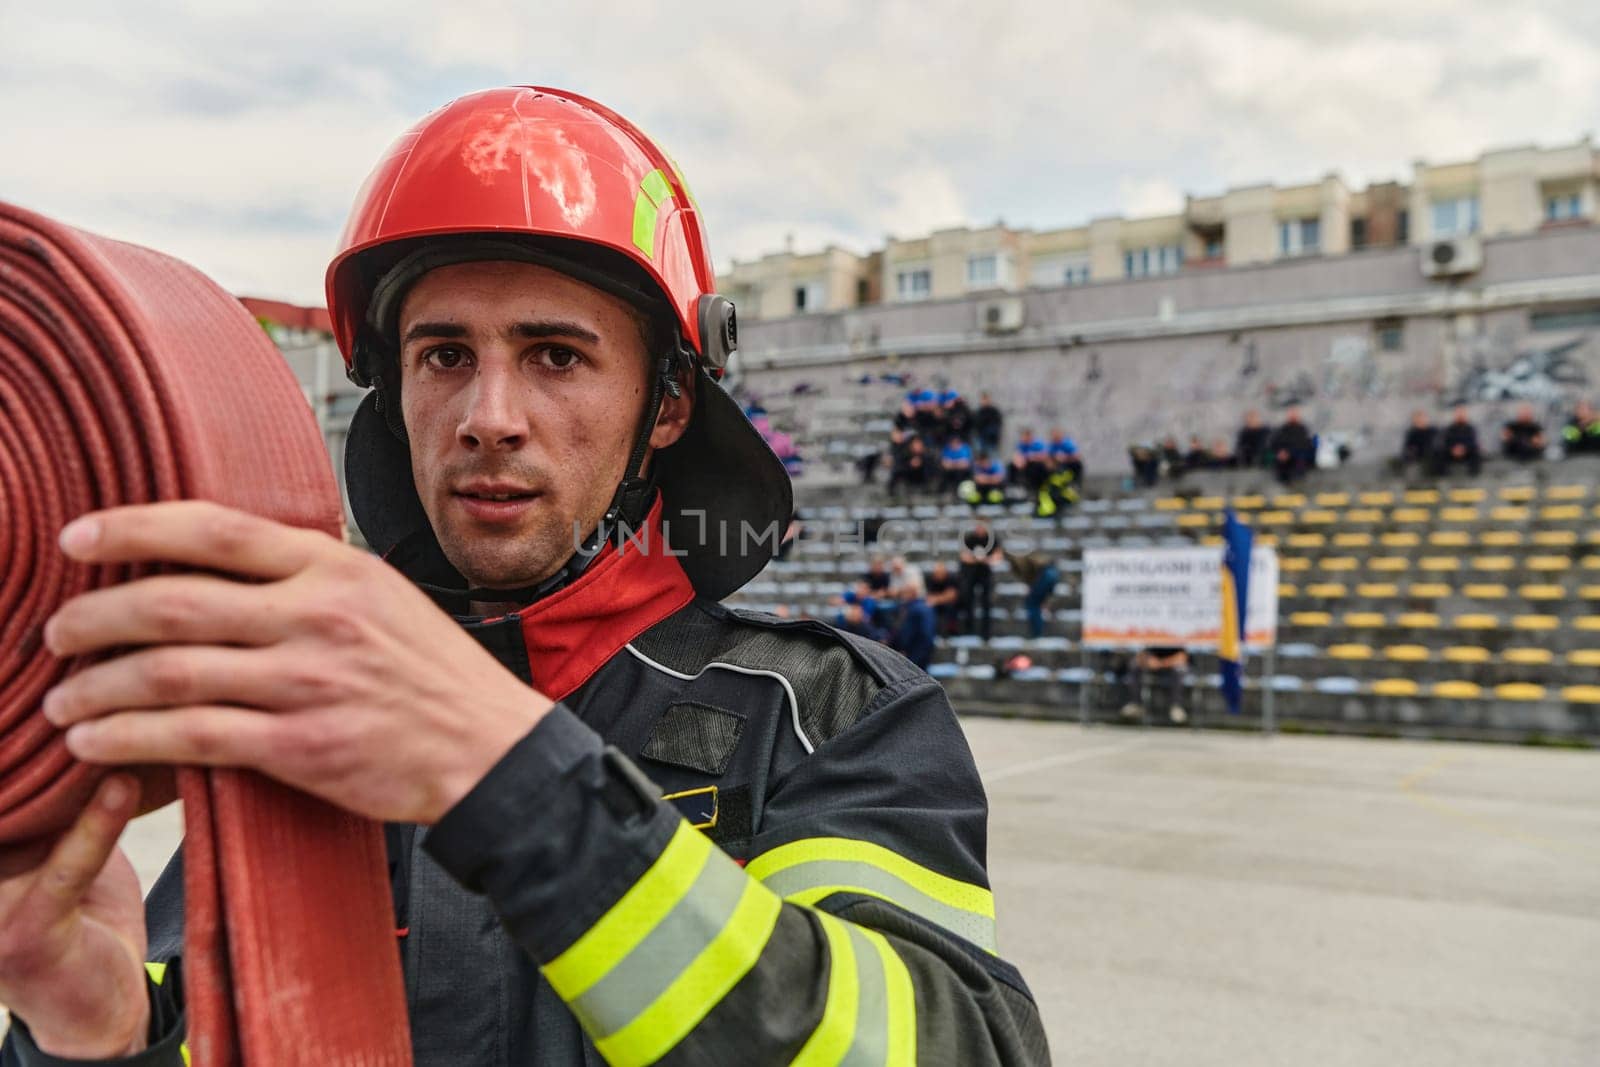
(871, 1045)
(640, 978)
(847, 875)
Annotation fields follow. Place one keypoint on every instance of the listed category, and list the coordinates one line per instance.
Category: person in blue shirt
(989, 480)
(914, 634)
(1030, 463)
(956, 462)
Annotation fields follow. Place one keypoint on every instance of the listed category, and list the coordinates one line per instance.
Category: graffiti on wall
(1546, 373)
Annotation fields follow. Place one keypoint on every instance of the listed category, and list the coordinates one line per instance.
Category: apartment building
(1503, 192)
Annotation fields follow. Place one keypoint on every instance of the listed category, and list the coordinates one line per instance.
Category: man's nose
(496, 418)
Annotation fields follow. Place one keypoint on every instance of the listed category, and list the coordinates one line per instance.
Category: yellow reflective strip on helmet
(683, 183)
(654, 190)
(828, 1043)
(701, 986)
(902, 1003)
(632, 918)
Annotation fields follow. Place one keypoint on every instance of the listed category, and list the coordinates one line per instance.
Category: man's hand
(318, 664)
(72, 935)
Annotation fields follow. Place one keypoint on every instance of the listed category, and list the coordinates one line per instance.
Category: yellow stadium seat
(1584, 657)
(1581, 694)
(1422, 496)
(1450, 538)
(1429, 590)
(1561, 512)
(1418, 620)
(1364, 515)
(1411, 515)
(1542, 592)
(1549, 563)
(1458, 514)
(1294, 563)
(1519, 691)
(1468, 496)
(1190, 518)
(1286, 590)
(1440, 563)
(1388, 563)
(1476, 622)
(1170, 503)
(1457, 690)
(1408, 653)
(1365, 619)
(1493, 563)
(1307, 540)
(1400, 540)
(1377, 590)
(1535, 622)
(1349, 651)
(1566, 492)
(1518, 492)
(1587, 623)
(1589, 592)
(1340, 563)
(1207, 503)
(1332, 500)
(1555, 538)
(1528, 657)
(1325, 589)
(1509, 513)
(1501, 538)
(1274, 518)
(1289, 500)
(1270, 540)
(1211, 540)
(1248, 503)
(1376, 499)
(1352, 540)
(1591, 563)
(1395, 687)
(1318, 517)
(1485, 591)
(1467, 654)
(1310, 618)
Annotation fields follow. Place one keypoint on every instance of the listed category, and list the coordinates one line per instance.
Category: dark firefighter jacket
(735, 840)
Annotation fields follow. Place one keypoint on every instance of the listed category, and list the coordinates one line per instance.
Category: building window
(1391, 335)
(1299, 237)
(863, 291)
(809, 297)
(1358, 233)
(1563, 208)
(983, 272)
(1151, 261)
(1071, 269)
(1075, 274)
(1402, 225)
(914, 284)
(1214, 247)
(1455, 218)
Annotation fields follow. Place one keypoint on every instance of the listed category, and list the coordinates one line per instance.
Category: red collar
(574, 632)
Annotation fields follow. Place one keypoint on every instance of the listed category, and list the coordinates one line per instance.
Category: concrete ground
(1190, 898)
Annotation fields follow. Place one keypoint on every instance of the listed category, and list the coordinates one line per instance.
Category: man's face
(521, 390)
(1419, 420)
(1461, 416)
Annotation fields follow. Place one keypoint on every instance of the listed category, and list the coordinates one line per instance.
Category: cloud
(236, 137)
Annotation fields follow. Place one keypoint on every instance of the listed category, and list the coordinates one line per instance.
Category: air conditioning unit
(1001, 315)
(1452, 256)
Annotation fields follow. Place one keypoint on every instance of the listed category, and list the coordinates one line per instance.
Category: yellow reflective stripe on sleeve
(828, 1043)
(808, 870)
(902, 1045)
(654, 190)
(158, 975)
(632, 918)
(702, 985)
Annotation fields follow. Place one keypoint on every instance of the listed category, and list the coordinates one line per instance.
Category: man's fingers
(167, 608)
(194, 533)
(208, 735)
(78, 857)
(169, 676)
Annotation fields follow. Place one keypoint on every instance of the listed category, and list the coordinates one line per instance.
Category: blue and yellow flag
(1236, 539)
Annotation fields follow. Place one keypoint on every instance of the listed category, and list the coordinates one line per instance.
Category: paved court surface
(1207, 899)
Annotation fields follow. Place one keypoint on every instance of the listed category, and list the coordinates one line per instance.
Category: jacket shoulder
(833, 675)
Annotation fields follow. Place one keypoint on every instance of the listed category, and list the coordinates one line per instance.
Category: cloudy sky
(236, 138)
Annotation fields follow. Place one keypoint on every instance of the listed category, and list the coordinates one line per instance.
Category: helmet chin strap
(629, 504)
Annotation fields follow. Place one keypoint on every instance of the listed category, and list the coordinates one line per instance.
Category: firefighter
(624, 822)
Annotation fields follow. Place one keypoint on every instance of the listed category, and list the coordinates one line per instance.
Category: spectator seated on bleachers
(1030, 462)
(910, 467)
(878, 578)
(1196, 458)
(1422, 437)
(905, 419)
(1581, 435)
(855, 619)
(1063, 454)
(1059, 491)
(987, 423)
(901, 574)
(943, 593)
(915, 627)
(1172, 460)
(1219, 457)
(1250, 447)
(928, 414)
(1146, 464)
(1293, 448)
(878, 607)
(955, 463)
(1458, 445)
(1167, 667)
(1038, 571)
(988, 483)
(957, 415)
(1522, 439)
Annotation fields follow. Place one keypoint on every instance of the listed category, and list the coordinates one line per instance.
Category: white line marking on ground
(1061, 760)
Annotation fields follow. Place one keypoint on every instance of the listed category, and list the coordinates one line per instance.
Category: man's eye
(561, 358)
(445, 357)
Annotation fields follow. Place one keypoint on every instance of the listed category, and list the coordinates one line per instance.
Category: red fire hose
(128, 377)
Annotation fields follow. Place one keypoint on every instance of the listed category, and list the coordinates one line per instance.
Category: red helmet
(546, 175)
(544, 163)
